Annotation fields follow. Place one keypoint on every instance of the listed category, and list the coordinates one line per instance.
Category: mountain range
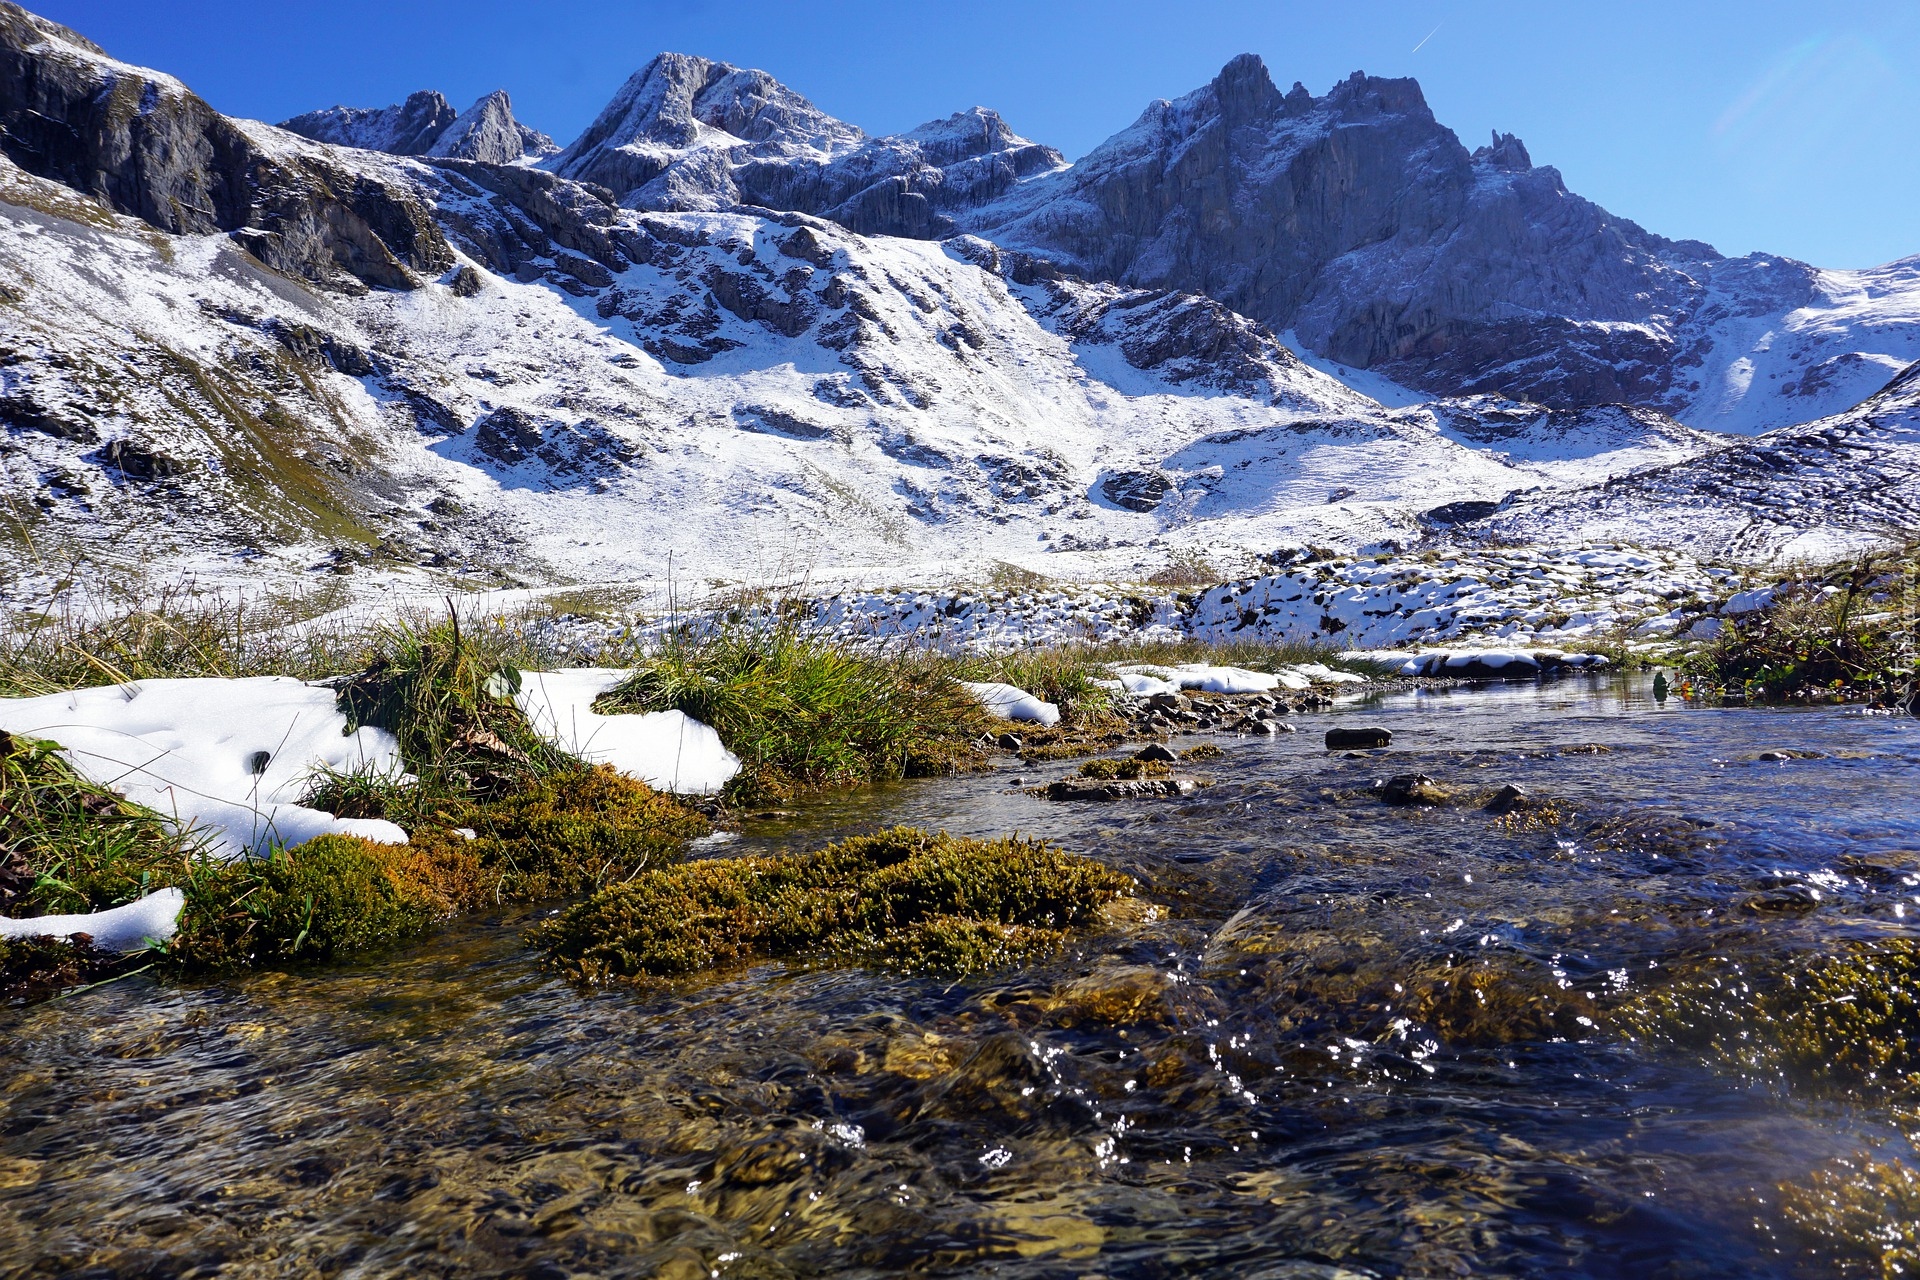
(725, 326)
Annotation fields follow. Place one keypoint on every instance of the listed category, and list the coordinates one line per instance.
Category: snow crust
(667, 750)
(225, 759)
(130, 927)
(1011, 703)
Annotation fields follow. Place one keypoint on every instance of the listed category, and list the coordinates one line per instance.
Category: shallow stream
(1360, 1040)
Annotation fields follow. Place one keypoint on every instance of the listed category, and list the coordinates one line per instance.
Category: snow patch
(1010, 703)
(667, 750)
(227, 759)
(125, 928)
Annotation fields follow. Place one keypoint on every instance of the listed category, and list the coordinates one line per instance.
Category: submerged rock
(1358, 739)
(1135, 789)
(1412, 789)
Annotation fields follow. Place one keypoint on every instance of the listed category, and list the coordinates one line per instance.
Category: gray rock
(1413, 789)
(1156, 753)
(1009, 742)
(1507, 799)
(408, 128)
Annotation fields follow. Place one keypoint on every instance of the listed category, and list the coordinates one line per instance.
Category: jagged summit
(427, 125)
(688, 133)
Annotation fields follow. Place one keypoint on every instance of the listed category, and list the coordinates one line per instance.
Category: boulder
(1358, 739)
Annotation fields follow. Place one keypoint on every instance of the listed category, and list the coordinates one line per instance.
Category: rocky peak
(487, 132)
(1361, 95)
(1506, 153)
(408, 128)
(964, 134)
(678, 102)
(1245, 90)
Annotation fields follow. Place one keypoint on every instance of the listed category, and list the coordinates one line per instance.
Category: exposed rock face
(427, 125)
(487, 132)
(146, 146)
(408, 128)
(1360, 221)
(686, 133)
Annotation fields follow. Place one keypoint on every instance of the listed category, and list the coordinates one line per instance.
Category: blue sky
(1785, 127)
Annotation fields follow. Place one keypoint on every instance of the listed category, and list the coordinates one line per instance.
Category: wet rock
(1358, 739)
(1413, 789)
(1136, 789)
(1791, 755)
(1507, 800)
(1009, 742)
(1156, 752)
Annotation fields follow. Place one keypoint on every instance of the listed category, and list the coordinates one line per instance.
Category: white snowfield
(1012, 703)
(124, 928)
(667, 750)
(1501, 664)
(227, 760)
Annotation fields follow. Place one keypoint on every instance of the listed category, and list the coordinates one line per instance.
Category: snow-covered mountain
(427, 125)
(1355, 220)
(228, 348)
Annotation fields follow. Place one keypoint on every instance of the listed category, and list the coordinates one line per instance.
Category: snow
(225, 759)
(1499, 664)
(1010, 703)
(667, 750)
(124, 928)
(1206, 678)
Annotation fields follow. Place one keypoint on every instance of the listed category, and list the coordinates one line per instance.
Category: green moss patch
(1858, 1217)
(1125, 770)
(904, 898)
(1847, 1024)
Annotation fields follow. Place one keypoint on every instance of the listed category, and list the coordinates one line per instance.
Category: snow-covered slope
(1843, 481)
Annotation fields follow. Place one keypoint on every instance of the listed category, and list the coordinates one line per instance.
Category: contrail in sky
(1430, 35)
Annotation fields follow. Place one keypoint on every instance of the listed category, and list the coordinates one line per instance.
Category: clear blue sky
(1786, 127)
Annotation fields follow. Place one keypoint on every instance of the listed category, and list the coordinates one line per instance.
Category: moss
(1125, 770)
(331, 897)
(571, 831)
(1858, 1217)
(1847, 1024)
(905, 898)
(34, 968)
(1205, 751)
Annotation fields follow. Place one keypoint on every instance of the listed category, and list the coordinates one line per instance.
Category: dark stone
(1507, 799)
(137, 462)
(1413, 789)
(1156, 753)
(1136, 490)
(1461, 512)
(466, 282)
(22, 412)
(1358, 739)
(1009, 742)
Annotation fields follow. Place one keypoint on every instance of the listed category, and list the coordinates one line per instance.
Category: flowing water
(1360, 1040)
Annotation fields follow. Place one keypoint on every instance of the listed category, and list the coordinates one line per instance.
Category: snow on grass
(1010, 703)
(225, 759)
(667, 750)
(130, 927)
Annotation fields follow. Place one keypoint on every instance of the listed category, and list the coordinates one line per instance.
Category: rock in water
(1138, 788)
(1413, 789)
(1358, 739)
(1156, 752)
(1507, 799)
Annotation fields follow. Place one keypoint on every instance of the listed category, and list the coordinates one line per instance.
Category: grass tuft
(802, 711)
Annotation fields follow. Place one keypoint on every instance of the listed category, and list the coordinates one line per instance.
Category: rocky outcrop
(427, 125)
(686, 133)
(144, 144)
(408, 128)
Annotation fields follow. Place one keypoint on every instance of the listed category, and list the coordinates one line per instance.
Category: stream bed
(1355, 1039)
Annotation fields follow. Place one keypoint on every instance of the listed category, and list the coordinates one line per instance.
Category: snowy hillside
(232, 350)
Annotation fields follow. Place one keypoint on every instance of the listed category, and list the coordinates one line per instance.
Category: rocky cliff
(146, 146)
